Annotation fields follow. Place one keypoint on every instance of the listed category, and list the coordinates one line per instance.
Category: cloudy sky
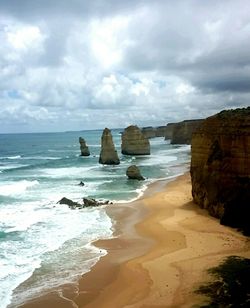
(76, 64)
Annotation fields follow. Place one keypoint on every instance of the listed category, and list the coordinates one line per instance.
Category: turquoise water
(39, 237)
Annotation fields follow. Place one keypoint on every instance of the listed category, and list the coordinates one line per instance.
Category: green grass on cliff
(231, 287)
(234, 113)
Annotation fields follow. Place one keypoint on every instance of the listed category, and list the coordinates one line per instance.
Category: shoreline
(149, 259)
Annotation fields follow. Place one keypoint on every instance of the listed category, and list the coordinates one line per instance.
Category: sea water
(43, 243)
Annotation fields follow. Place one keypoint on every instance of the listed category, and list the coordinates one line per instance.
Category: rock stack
(134, 142)
(83, 147)
(220, 167)
(108, 155)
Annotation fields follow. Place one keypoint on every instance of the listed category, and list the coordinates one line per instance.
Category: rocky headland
(134, 142)
(108, 155)
(169, 131)
(182, 131)
(178, 133)
(152, 132)
(220, 167)
(149, 131)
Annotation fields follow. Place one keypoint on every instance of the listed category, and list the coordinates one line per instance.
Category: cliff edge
(220, 167)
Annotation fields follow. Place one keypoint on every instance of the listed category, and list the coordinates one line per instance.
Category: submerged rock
(93, 202)
(83, 147)
(108, 155)
(134, 142)
(220, 167)
(133, 172)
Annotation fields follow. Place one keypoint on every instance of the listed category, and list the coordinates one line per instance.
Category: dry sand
(159, 261)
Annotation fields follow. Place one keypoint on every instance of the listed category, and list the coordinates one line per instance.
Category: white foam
(158, 160)
(179, 149)
(139, 191)
(70, 172)
(12, 166)
(41, 157)
(20, 258)
(16, 188)
(11, 157)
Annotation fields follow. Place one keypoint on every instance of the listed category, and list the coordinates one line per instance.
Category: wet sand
(162, 248)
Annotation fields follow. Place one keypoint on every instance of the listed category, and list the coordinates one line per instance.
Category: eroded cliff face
(152, 132)
(134, 142)
(161, 131)
(169, 131)
(182, 131)
(108, 155)
(220, 167)
(149, 132)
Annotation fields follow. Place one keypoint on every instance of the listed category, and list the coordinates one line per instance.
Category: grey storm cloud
(40, 9)
(84, 63)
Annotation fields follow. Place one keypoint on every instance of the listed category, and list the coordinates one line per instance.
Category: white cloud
(25, 37)
(107, 40)
(114, 63)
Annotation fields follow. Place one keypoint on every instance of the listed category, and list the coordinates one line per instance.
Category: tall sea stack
(220, 167)
(134, 142)
(83, 147)
(108, 155)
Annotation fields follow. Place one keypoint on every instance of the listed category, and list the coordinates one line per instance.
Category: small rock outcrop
(220, 167)
(108, 155)
(182, 131)
(93, 202)
(87, 202)
(70, 203)
(134, 142)
(83, 147)
(133, 172)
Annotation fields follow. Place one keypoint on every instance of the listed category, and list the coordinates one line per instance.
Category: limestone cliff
(169, 131)
(83, 147)
(220, 167)
(134, 142)
(160, 131)
(149, 131)
(152, 132)
(182, 131)
(108, 155)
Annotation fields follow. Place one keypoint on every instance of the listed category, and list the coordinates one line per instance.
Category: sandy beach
(162, 248)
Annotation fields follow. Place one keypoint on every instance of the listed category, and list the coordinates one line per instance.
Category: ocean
(43, 243)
